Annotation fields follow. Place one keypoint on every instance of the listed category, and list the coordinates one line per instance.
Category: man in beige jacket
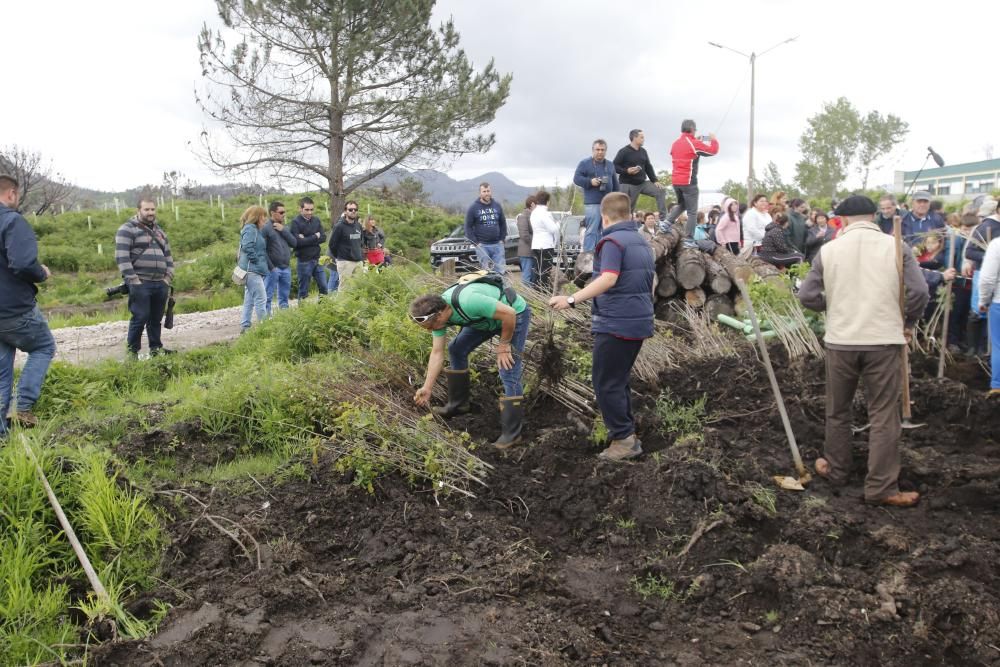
(855, 279)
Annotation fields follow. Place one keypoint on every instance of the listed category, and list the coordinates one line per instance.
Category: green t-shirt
(479, 302)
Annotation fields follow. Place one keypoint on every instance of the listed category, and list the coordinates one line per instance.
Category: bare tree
(41, 188)
(333, 93)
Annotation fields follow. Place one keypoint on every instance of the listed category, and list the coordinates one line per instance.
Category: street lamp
(752, 57)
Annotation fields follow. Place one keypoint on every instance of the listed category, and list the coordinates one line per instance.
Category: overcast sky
(105, 88)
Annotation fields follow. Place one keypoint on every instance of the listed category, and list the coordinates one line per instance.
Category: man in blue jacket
(919, 222)
(486, 227)
(22, 325)
(621, 318)
(597, 176)
(309, 236)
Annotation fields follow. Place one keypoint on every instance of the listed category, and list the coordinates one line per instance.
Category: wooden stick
(81, 555)
(897, 233)
(947, 305)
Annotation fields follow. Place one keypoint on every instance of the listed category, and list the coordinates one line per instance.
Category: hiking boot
(993, 393)
(157, 351)
(25, 419)
(458, 394)
(511, 418)
(620, 450)
(898, 499)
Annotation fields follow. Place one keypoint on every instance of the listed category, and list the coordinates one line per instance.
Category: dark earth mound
(689, 556)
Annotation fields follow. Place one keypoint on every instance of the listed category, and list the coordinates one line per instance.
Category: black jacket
(19, 266)
(345, 241)
(307, 248)
(279, 245)
(630, 157)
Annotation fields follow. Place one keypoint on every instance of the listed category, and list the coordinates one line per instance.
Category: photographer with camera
(143, 256)
(685, 154)
(22, 325)
(597, 176)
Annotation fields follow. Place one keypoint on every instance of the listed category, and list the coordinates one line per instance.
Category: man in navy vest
(621, 318)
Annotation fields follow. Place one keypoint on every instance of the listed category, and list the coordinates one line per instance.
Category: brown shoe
(993, 393)
(901, 499)
(26, 419)
(621, 450)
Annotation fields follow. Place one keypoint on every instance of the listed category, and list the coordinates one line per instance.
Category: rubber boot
(458, 394)
(511, 421)
(973, 336)
(620, 450)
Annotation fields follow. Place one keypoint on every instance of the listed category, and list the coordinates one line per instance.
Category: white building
(953, 182)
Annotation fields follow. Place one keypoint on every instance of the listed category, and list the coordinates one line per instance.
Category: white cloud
(106, 89)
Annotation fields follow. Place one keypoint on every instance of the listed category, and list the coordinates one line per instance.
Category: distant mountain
(448, 193)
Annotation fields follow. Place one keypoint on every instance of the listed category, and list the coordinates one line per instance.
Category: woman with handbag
(253, 260)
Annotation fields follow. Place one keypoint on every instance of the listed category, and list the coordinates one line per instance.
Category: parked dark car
(457, 246)
(571, 245)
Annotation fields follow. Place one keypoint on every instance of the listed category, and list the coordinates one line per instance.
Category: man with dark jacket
(621, 318)
(633, 167)
(685, 154)
(279, 242)
(887, 210)
(486, 227)
(972, 261)
(345, 242)
(919, 222)
(144, 259)
(856, 281)
(797, 231)
(307, 229)
(597, 176)
(22, 325)
(529, 269)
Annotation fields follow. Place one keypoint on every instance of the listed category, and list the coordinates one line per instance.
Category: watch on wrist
(571, 301)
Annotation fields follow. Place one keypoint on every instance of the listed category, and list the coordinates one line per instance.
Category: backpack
(485, 277)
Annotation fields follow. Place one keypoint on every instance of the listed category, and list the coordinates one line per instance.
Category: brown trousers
(881, 373)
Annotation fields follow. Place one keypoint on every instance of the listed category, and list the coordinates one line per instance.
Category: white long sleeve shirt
(989, 275)
(754, 223)
(544, 229)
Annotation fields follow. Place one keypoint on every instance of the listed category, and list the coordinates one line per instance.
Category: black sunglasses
(420, 319)
(351, 210)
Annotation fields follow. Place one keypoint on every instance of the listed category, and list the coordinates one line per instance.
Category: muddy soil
(684, 557)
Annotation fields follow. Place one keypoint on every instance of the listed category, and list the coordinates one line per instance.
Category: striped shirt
(139, 256)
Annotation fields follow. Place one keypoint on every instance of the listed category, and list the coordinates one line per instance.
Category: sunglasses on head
(420, 319)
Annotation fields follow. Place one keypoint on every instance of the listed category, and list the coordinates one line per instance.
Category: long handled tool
(788, 483)
(897, 233)
(81, 555)
(947, 303)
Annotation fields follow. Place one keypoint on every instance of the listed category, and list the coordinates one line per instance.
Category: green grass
(683, 422)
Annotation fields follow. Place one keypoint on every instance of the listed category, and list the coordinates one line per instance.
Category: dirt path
(83, 345)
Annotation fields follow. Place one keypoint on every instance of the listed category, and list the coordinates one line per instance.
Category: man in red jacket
(685, 153)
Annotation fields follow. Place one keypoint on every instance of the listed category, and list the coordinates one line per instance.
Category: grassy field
(79, 249)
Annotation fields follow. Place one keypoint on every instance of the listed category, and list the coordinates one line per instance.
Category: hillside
(445, 191)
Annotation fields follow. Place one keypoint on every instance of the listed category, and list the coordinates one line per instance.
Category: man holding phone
(685, 153)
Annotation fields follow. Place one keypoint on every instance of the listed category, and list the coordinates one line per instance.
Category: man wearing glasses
(482, 310)
(345, 243)
(279, 255)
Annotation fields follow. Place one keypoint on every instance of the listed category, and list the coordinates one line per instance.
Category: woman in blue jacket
(253, 259)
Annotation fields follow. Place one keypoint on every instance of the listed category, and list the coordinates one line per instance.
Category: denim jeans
(491, 257)
(529, 276)
(280, 279)
(469, 339)
(146, 302)
(254, 298)
(994, 316)
(333, 279)
(592, 220)
(29, 333)
(687, 200)
(310, 271)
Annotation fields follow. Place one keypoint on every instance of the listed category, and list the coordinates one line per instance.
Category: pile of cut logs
(700, 279)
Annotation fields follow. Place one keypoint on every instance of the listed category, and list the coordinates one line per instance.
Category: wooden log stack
(701, 280)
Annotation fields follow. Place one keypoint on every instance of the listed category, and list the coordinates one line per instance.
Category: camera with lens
(117, 290)
(603, 185)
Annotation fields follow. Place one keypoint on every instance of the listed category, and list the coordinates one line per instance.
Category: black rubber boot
(458, 394)
(511, 419)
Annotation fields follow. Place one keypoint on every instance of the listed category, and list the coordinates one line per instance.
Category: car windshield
(459, 232)
(571, 228)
